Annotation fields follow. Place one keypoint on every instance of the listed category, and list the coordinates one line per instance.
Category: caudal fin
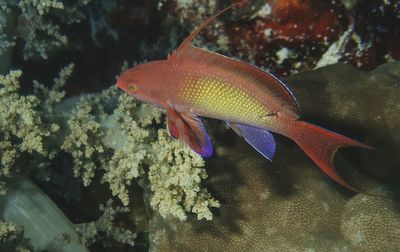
(321, 144)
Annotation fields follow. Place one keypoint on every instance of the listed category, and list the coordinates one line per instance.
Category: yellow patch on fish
(220, 97)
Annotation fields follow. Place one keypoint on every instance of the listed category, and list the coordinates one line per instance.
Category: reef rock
(289, 204)
(363, 105)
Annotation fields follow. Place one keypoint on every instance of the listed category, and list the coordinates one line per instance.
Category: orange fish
(194, 82)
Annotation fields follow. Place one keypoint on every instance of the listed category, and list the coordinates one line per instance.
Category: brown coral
(291, 210)
(372, 223)
(289, 205)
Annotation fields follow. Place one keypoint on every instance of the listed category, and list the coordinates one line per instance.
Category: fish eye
(133, 88)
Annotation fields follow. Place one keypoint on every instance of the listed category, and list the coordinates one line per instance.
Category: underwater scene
(199, 125)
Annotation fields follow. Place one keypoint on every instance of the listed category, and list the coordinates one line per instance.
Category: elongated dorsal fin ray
(187, 52)
(188, 41)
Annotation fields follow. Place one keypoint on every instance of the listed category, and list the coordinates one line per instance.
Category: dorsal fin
(188, 41)
(254, 74)
(186, 51)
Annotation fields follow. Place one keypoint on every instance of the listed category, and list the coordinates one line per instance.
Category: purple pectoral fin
(260, 139)
(191, 130)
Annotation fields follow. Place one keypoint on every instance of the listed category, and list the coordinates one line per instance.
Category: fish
(193, 83)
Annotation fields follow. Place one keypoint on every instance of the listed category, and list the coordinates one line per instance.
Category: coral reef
(105, 227)
(375, 34)
(292, 36)
(130, 132)
(119, 143)
(12, 238)
(112, 179)
(371, 222)
(177, 190)
(38, 24)
(111, 139)
(367, 102)
(289, 205)
(27, 123)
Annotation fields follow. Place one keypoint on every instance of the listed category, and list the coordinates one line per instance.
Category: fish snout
(120, 84)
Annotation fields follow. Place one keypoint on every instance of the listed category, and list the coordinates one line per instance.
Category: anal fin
(260, 139)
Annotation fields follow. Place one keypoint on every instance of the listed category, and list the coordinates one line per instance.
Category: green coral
(27, 123)
(177, 189)
(83, 141)
(94, 231)
(12, 238)
(8, 231)
(112, 139)
(121, 143)
(129, 158)
(38, 23)
(42, 7)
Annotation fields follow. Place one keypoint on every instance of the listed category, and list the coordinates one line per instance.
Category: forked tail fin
(320, 145)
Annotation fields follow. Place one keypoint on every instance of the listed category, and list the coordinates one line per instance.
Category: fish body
(193, 82)
(211, 85)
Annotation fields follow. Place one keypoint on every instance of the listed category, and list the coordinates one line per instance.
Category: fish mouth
(118, 84)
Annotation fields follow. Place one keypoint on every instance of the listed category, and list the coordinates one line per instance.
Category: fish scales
(220, 97)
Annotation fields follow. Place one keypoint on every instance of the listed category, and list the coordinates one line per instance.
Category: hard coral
(347, 99)
(283, 36)
(372, 223)
(290, 205)
(375, 35)
(261, 211)
(292, 37)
